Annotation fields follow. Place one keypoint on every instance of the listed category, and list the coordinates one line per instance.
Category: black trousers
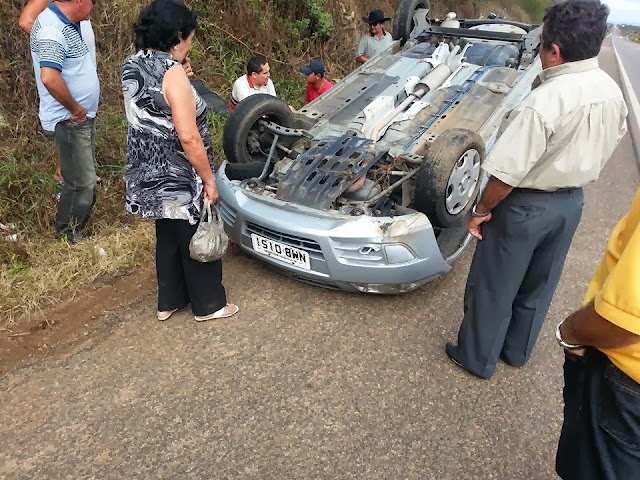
(182, 280)
(513, 275)
(600, 437)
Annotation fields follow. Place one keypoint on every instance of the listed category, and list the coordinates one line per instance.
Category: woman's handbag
(210, 240)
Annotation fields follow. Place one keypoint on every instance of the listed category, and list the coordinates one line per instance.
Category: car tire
(242, 126)
(449, 177)
(403, 18)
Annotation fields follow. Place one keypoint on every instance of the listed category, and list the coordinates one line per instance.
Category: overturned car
(370, 187)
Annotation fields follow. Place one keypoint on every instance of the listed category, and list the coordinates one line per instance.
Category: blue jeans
(76, 146)
(600, 436)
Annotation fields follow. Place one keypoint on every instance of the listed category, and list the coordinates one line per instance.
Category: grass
(20, 181)
(634, 31)
(216, 125)
(30, 280)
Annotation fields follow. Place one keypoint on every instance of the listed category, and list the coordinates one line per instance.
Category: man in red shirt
(316, 83)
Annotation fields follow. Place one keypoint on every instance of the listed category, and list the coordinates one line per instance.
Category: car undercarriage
(395, 149)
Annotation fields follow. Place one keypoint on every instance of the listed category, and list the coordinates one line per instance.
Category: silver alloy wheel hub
(462, 182)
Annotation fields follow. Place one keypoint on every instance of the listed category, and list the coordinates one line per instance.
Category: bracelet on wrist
(476, 214)
(561, 341)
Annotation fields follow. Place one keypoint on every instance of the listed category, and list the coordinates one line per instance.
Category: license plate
(294, 256)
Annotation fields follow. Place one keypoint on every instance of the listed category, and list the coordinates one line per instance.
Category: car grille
(227, 213)
(313, 248)
(315, 283)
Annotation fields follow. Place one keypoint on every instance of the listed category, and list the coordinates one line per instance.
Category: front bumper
(365, 254)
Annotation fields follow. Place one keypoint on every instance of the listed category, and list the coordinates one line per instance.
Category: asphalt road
(630, 54)
(304, 383)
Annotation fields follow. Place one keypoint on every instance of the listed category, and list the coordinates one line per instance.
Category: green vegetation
(320, 21)
(521, 10)
(535, 8)
(632, 32)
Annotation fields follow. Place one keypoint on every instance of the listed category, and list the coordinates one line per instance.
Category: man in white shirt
(256, 80)
(556, 141)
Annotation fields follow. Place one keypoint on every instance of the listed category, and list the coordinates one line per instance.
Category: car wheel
(244, 139)
(403, 19)
(448, 179)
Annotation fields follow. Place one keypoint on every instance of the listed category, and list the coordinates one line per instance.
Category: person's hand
(474, 225)
(186, 64)
(211, 191)
(79, 115)
(580, 352)
(576, 353)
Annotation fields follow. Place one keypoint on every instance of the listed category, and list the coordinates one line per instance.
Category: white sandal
(218, 314)
(162, 316)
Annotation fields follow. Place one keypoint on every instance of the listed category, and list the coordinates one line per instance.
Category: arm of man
(177, 90)
(515, 153)
(612, 319)
(587, 327)
(360, 51)
(495, 191)
(52, 51)
(54, 83)
(29, 13)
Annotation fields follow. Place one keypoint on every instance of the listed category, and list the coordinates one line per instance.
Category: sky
(624, 11)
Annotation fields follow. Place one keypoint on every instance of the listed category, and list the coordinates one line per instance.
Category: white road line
(633, 119)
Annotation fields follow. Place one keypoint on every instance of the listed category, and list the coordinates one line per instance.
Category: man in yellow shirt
(600, 436)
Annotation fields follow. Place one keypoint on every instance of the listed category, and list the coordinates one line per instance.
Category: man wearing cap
(316, 83)
(376, 40)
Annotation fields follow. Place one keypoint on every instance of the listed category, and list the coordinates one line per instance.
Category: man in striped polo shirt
(69, 91)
